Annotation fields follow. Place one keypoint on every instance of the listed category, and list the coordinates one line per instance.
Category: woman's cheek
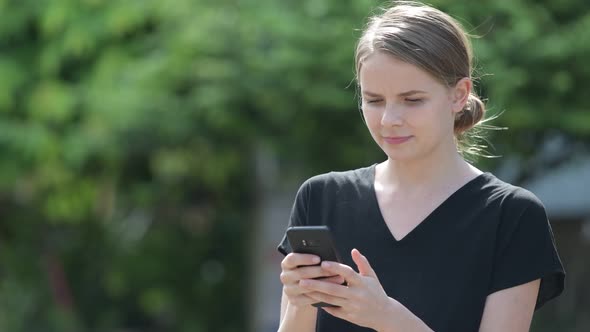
(371, 115)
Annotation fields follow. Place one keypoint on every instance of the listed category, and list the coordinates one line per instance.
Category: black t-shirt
(487, 236)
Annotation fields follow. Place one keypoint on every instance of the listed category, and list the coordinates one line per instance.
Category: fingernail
(304, 283)
(326, 265)
(316, 259)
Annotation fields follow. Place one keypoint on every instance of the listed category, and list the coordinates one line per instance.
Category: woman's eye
(374, 101)
(414, 100)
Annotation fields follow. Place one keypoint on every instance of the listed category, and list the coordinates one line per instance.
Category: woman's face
(409, 113)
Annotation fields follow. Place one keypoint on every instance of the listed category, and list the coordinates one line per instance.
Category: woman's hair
(434, 42)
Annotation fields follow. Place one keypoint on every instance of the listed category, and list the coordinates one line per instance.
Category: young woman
(435, 244)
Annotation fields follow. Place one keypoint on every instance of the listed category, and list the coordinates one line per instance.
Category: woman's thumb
(363, 264)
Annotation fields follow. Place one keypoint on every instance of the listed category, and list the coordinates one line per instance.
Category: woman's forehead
(381, 71)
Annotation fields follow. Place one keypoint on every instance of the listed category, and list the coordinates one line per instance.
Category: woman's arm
(508, 310)
(297, 319)
(511, 309)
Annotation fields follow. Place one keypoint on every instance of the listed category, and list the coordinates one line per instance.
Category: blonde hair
(434, 42)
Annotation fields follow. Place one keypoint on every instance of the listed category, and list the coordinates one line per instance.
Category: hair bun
(471, 115)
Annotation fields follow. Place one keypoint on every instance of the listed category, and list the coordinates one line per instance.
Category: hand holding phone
(316, 240)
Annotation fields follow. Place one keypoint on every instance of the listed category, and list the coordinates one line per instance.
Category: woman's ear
(460, 94)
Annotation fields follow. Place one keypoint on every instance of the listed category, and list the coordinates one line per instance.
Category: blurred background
(150, 150)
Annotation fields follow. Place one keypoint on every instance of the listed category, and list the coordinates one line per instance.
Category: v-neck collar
(431, 216)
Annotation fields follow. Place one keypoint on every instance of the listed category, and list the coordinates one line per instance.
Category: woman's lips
(396, 139)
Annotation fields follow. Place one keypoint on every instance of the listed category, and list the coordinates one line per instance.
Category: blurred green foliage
(128, 131)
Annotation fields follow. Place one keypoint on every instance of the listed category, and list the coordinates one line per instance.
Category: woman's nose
(392, 116)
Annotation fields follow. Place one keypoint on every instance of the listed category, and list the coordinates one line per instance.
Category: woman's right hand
(296, 267)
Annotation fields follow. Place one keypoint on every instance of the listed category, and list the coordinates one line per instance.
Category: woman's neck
(444, 171)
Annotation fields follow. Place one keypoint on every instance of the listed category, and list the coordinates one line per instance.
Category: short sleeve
(526, 251)
(299, 213)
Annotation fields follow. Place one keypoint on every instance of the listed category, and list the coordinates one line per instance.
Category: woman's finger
(326, 287)
(339, 280)
(363, 264)
(294, 290)
(306, 272)
(294, 260)
(350, 275)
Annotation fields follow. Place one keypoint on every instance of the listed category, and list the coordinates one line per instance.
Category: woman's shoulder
(340, 183)
(508, 195)
(340, 178)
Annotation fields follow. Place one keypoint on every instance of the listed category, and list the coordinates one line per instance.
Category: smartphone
(316, 240)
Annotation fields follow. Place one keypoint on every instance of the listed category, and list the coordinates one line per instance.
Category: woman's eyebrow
(403, 94)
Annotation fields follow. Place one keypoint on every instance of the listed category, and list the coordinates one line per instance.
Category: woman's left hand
(362, 301)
